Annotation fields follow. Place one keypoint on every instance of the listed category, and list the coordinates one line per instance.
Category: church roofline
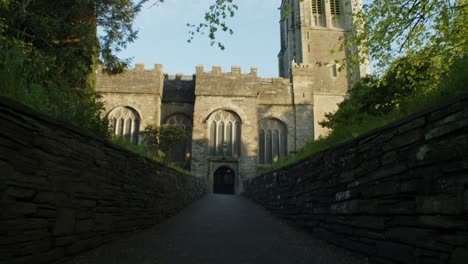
(216, 69)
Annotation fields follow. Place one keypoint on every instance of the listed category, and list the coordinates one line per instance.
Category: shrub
(161, 139)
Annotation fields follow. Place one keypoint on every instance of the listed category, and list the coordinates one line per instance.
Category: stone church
(239, 121)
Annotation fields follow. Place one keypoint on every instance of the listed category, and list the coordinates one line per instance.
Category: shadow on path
(220, 229)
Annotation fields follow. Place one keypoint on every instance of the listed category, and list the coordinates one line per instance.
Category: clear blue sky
(163, 38)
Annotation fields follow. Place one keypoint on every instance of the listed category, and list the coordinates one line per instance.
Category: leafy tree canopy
(62, 31)
(49, 51)
(389, 29)
(215, 20)
(73, 23)
(376, 96)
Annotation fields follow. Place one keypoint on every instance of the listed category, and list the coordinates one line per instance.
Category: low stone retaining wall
(63, 191)
(398, 194)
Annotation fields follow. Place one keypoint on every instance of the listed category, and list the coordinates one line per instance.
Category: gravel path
(220, 229)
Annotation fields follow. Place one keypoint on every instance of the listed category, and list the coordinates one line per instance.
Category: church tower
(310, 56)
(311, 30)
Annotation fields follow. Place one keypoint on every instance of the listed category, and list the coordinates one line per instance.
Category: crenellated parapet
(235, 71)
(139, 67)
(139, 89)
(137, 80)
(235, 83)
(274, 91)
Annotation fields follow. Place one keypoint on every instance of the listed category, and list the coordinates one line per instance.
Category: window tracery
(182, 151)
(224, 134)
(180, 120)
(272, 141)
(125, 122)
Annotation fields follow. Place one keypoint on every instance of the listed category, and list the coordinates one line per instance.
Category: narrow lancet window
(335, 10)
(318, 18)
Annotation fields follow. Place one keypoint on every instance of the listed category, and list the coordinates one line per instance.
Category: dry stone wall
(398, 194)
(63, 191)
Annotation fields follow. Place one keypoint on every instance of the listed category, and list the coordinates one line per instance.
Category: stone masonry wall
(398, 194)
(274, 100)
(63, 191)
(315, 88)
(252, 98)
(230, 91)
(139, 89)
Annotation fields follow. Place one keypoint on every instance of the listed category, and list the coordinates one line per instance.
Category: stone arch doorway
(224, 180)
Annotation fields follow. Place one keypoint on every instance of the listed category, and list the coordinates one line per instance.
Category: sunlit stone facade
(238, 121)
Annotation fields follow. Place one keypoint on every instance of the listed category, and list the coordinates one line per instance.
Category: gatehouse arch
(224, 180)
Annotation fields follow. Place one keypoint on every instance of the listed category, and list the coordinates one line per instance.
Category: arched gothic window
(272, 141)
(180, 152)
(125, 122)
(225, 134)
(180, 120)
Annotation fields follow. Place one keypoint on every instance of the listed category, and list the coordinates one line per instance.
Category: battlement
(138, 67)
(235, 70)
(137, 80)
(141, 67)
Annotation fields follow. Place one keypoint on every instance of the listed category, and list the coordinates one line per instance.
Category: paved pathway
(220, 229)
